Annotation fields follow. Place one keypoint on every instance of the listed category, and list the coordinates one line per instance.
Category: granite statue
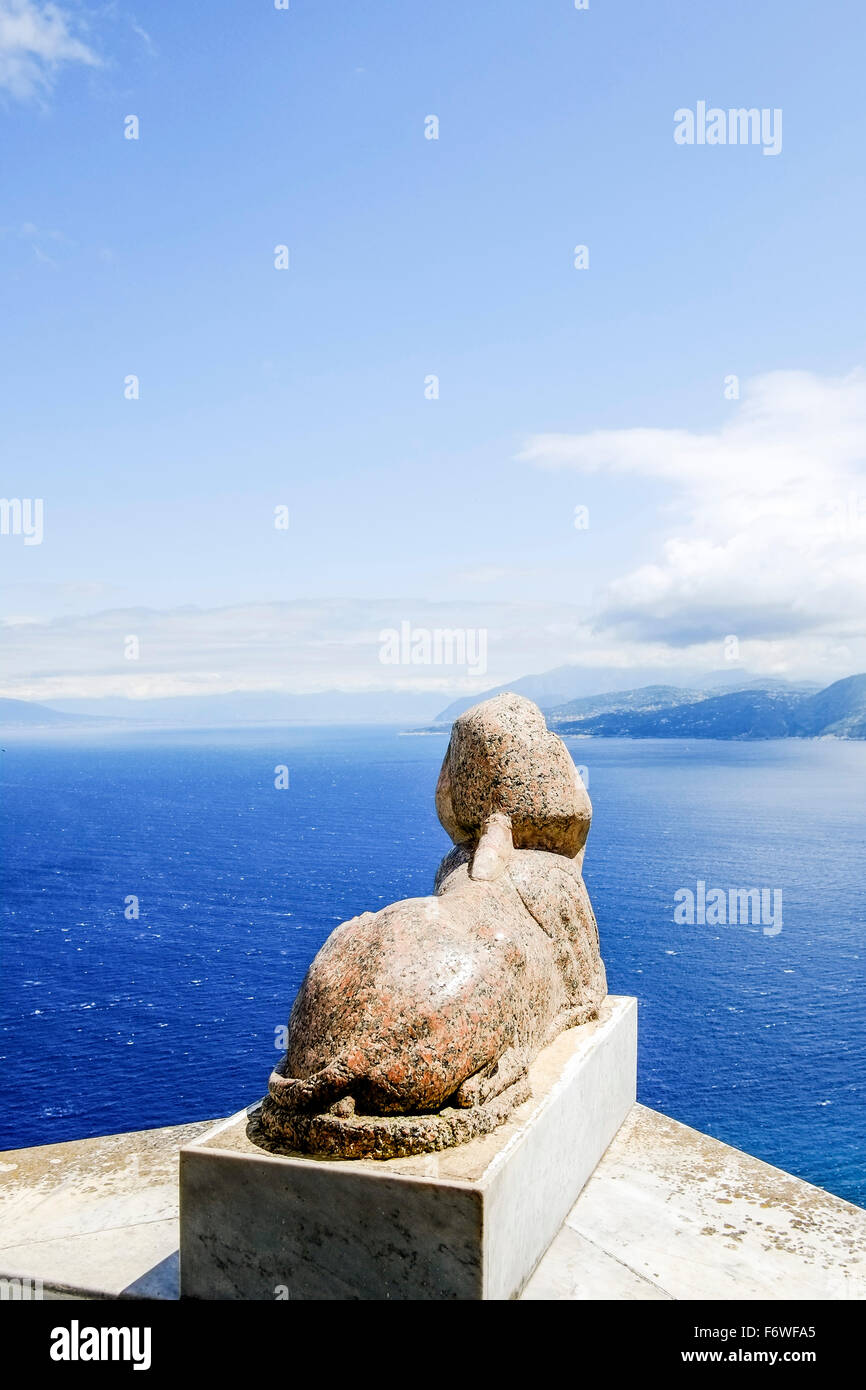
(415, 1026)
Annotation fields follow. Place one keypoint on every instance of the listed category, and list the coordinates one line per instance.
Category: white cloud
(143, 35)
(36, 37)
(762, 534)
(298, 647)
(302, 647)
(765, 532)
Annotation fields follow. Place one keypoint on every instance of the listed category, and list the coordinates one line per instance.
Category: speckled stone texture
(415, 1026)
(502, 757)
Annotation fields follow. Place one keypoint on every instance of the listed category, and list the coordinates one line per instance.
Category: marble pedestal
(470, 1222)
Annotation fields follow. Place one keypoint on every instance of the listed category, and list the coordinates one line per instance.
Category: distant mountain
(258, 707)
(715, 686)
(568, 685)
(839, 711)
(648, 697)
(717, 682)
(22, 714)
(547, 689)
(738, 714)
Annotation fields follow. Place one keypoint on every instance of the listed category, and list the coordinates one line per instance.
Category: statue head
(503, 761)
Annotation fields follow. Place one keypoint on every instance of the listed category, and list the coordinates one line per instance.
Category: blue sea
(111, 1022)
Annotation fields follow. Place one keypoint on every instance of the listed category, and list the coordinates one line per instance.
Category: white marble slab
(697, 1218)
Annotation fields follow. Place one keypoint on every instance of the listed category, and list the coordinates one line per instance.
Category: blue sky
(558, 387)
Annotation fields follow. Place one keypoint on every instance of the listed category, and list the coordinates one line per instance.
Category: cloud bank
(761, 537)
(765, 532)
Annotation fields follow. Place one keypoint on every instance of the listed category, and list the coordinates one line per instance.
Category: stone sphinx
(415, 1026)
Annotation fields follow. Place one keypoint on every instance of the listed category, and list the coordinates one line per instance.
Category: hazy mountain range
(226, 711)
(23, 714)
(736, 709)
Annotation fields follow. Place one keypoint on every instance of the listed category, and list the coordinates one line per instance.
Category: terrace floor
(668, 1214)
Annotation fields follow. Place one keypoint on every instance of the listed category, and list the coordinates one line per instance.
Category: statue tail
(316, 1092)
(290, 1120)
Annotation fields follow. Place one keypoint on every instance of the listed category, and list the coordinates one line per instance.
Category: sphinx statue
(415, 1026)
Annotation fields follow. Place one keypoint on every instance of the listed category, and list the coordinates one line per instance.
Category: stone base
(470, 1222)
